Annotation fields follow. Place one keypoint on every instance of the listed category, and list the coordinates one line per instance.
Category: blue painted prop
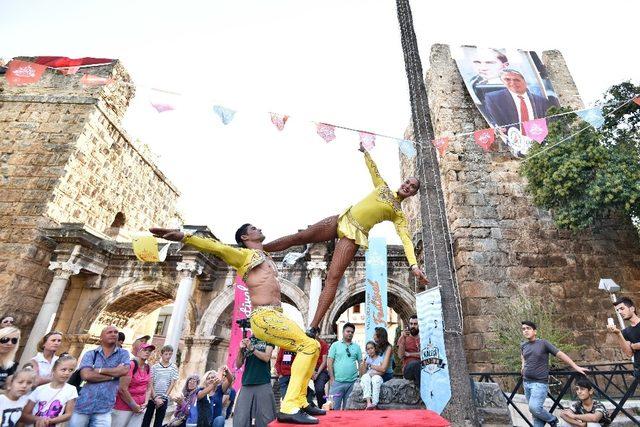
(435, 384)
(375, 296)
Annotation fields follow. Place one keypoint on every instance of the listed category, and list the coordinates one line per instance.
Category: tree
(505, 347)
(593, 173)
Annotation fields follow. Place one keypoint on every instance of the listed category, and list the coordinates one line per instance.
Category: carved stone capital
(64, 270)
(189, 268)
(316, 268)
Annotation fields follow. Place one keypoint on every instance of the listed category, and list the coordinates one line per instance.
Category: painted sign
(435, 385)
(241, 310)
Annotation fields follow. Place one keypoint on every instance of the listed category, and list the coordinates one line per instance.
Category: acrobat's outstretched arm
(235, 257)
(401, 228)
(373, 169)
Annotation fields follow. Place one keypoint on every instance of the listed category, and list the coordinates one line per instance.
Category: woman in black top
(9, 342)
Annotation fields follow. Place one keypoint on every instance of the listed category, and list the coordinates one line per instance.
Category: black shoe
(297, 418)
(314, 410)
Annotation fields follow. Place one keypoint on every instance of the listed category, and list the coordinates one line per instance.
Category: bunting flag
(407, 148)
(536, 129)
(484, 138)
(279, 120)
(326, 132)
(225, 114)
(162, 107)
(593, 116)
(441, 144)
(637, 100)
(368, 140)
(20, 73)
(91, 81)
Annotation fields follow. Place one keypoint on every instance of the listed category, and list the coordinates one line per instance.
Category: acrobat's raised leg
(342, 256)
(322, 231)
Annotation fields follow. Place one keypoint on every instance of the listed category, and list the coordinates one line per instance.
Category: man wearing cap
(268, 322)
(516, 104)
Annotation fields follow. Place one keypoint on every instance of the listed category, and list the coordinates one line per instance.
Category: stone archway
(123, 304)
(399, 297)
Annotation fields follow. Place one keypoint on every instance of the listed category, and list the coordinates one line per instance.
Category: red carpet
(387, 418)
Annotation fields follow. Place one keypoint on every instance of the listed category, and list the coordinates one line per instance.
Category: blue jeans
(340, 392)
(90, 420)
(536, 393)
(218, 421)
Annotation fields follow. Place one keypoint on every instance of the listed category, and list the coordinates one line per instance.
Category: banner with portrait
(375, 294)
(509, 87)
(435, 384)
(241, 310)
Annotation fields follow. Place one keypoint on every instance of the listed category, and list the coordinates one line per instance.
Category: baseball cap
(143, 338)
(145, 346)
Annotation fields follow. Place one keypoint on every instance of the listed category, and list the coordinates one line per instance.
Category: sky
(335, 61)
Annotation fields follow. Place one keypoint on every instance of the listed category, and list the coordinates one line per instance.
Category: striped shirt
(162, 377)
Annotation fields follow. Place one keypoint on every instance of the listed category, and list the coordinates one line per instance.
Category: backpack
(76, 379)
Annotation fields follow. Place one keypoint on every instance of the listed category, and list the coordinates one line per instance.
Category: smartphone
(610, 321)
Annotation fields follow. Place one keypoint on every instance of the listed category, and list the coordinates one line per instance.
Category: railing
(613, 382)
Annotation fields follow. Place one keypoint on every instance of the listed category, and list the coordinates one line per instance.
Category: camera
(244, 324)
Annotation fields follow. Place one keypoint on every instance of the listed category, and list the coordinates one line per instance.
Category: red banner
(20, 73)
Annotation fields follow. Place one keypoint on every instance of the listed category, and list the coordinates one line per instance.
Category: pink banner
(241, 310)
(536, 129)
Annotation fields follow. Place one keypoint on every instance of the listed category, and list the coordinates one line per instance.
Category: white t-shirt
(11, 410)
(50, 402)
(44, 366)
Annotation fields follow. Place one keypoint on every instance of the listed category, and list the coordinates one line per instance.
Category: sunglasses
(6, 340)
(347, 350)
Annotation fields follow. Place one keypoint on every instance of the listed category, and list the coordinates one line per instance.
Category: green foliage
(594, 172)
(505, 347)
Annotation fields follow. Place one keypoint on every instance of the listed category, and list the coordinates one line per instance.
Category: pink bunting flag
(637, 100)
(368, 140)
(20, 73)
(162, 107)
(279, 120)
(90, 81)
(326, 132)
(484, 138)
(536, 129)
(441, 144)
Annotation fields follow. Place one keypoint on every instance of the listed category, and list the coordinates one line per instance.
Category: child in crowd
(53, 403)
(15, 397)
(371, 380)
(586, 411)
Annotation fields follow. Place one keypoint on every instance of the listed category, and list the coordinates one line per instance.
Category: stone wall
(65, 158)
(503, 244)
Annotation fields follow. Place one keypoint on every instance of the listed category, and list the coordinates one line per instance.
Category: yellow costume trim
(269, 324)
(380, 205)
(242, 259)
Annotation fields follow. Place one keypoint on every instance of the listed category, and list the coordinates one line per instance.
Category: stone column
(62, 271)
(188, 270)
(316, 270)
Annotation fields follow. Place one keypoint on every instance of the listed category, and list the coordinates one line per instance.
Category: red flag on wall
(21, 73)
(484, 138)
(441, 144)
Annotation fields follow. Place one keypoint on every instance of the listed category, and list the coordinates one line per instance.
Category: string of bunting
(20, 73)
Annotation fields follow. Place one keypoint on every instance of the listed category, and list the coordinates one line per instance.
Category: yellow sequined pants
(269, 324)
